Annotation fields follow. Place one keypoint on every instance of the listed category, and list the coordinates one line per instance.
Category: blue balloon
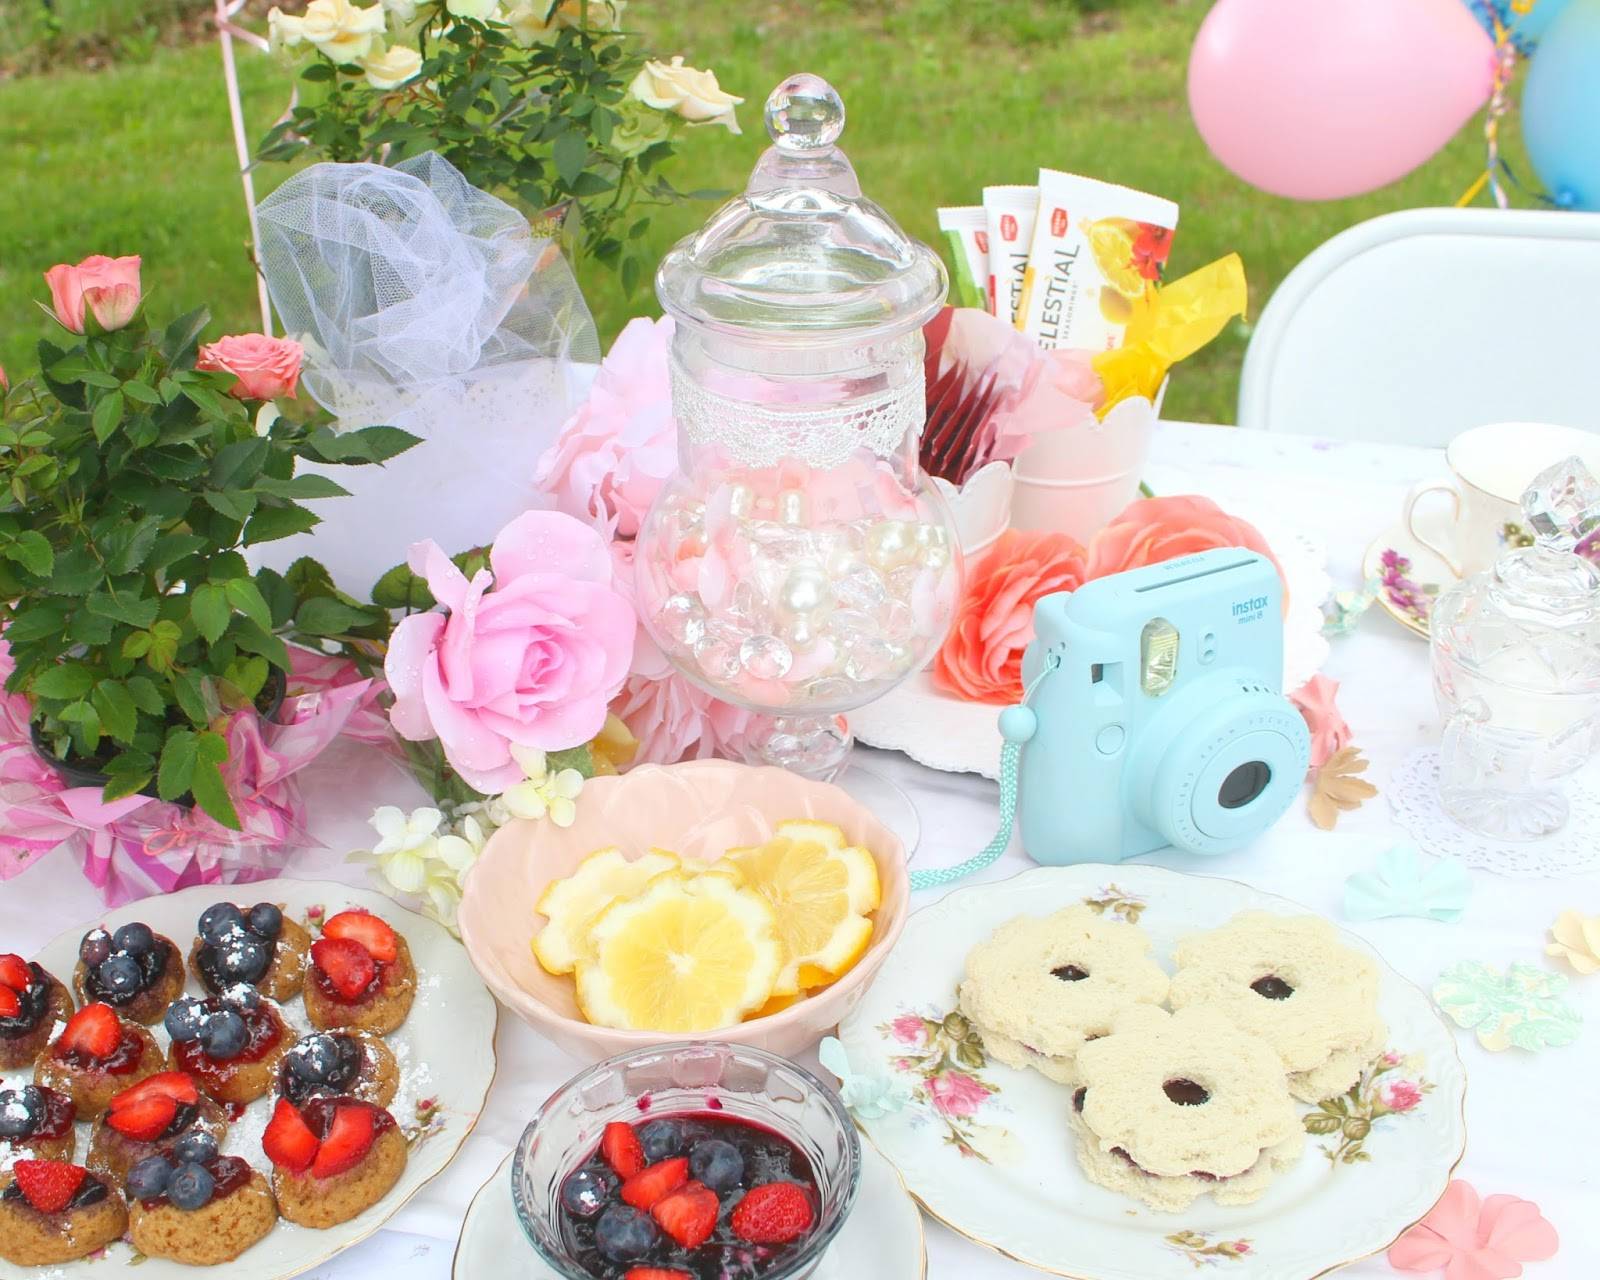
(1561, 105)
(1528, 28)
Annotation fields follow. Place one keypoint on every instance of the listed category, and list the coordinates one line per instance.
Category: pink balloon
(1320, 99)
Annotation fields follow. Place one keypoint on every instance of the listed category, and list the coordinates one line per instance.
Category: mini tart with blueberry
(97, 1056)
(35, 1124)
(332, 1159)
(231, 1045)
(198, 1207)
(258, 946)
(31, 1003)
(134, 970)
(152, 1118)
(349, 1064)
(361, 976)
(54, 1212)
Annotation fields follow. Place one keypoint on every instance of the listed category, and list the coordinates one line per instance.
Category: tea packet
(1008, 213)
(966, 230)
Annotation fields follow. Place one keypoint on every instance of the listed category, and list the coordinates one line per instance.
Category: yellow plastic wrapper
(1168, 324)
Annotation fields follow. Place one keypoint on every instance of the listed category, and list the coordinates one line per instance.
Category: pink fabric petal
(1515, 1228)
(549, 542)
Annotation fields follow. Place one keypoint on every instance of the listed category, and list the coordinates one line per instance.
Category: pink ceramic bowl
(699, 809)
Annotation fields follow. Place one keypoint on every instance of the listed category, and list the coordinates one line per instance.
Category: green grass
(944, 97)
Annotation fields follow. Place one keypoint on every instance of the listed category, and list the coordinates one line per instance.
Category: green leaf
(76, 573)
(165, 636)
(271, 523)
(237, 465)
(118, 714)
(170, 547)
(570, 151)
(145, 695)
(126, 547)
(579, 758)
(73, 369)
(190, 692)
(179, 340)
(32, 550)
(36, 621)
(306, 485)
(399, 588)
(87, 719)
(246, 597)
(107, 416)
(68, 680)
(124, 780)
(143, 392)
(90, 629)
(317, 73)
(250, 637)
(368, 445)
(208, 606)
(211, 794)
(178, 756)
(325, 616)
(135, 610)
(210, 403)
(235, 506)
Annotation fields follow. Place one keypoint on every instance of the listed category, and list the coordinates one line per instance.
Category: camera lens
(1244, 784)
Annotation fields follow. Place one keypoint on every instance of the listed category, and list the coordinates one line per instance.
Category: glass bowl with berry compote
(703, 1161)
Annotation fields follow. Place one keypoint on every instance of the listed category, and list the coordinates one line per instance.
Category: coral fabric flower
(1472, 1241)
(1329, 732)
(1151, 530)
(266, 368)
(954, 1093)
(528, 654)
(612, 456)
(108, 286)
(981, 661)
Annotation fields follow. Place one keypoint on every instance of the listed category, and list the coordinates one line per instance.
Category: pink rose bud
(5, 383)
(110, 287)
(266, 368)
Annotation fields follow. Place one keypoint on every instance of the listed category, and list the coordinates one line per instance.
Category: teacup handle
(1419, 491)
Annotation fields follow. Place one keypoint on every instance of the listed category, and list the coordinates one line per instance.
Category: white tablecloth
(1533, 1120)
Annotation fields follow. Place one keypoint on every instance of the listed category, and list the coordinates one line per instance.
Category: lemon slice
(573, 904)
(819, 896)
(1111, 242)
(689, 953)
(866, 893)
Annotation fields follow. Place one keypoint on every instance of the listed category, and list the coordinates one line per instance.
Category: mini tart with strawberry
(134, 970)
(96, 1057)
(31, 1003)
(257, 945)
(231, 1046)
(360, 977)
(151, 1119)
(350, 1064)
(54, 1212)
(200, 1212)
(35, 1124)
(332, 1159)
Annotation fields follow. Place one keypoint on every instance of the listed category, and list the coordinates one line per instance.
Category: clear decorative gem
(766, 657)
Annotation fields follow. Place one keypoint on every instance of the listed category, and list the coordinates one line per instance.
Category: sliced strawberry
(619, 1144)
(288, 1140)
(649, 1185)
(372, 933)
(346, 963)
(147, 1110)
(14, 973)
(656, 1273)
(10, 1004)
(93, 1030)
(350, 1136)
(48, 1185)
(773, 1213)
(177, 1085)
(688, 1215)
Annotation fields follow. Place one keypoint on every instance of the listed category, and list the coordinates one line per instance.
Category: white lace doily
(1413, 793)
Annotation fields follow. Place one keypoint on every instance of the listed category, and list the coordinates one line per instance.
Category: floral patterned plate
(1410, 577)
(986, 1149)
(445, 1050)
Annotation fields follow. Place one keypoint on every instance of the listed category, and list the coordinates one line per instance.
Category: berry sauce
(59, 1113)
(347, 1074)
(126, 1057)
(90, 1191)
(768, 1157)
(152, 964)
(228, 1172)
(265, 1031)
(379, 983)
(35, 1002)
(318, 1115)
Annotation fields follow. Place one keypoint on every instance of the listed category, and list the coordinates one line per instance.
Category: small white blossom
(542, 793)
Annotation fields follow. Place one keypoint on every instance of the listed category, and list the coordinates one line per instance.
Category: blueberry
(95, 949)
(349, 1050)
(198, 1147)
(266, 921)
(584, 1194)
(20, 1111)
(224, 1035)
(148, 1179)
(244, 959)
(315, 1059)
(120, 975)
(221, 922)
(185, 1018)
(190, 1187)
(623, 1234)
(661, 1140)
(134, 940)
(716, 1163)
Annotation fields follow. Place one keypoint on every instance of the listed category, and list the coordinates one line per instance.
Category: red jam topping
(265, 1029)
(119, 1062)
(59, 1113)
(229, 1173)
(318, 1115)
(381, 981)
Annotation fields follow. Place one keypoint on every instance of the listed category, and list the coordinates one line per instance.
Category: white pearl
(792, 507)
(936, 557)
(890, 543)
(741, 500)
(932, 535)
(805, 590)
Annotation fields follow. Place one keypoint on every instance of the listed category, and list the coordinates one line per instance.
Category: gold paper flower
(1336, 787)
(1576, 939)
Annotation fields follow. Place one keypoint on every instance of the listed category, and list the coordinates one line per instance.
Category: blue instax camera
(1157, 716)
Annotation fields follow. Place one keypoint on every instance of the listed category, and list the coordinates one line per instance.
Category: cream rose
(530, 25)
(336, 28)
(389, 68)
(694, 95)
(483, 10)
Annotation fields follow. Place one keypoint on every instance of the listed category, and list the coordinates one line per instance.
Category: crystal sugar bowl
(1516, 667)
(799, 563)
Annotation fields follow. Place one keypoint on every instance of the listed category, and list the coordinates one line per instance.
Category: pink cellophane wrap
(138, 846)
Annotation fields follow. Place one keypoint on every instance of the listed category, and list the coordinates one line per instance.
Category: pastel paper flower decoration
(870, 1095)
(1519, 1008)
(1576, 939)
(1154, 530)
(1329, 732)
(1469, 1240)
(1400, 885)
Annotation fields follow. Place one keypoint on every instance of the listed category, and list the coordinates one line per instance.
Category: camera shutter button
(1109, 740)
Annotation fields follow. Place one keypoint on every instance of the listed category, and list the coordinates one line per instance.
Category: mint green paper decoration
(1400, 884)
(870, 1096)
(1520, 1008)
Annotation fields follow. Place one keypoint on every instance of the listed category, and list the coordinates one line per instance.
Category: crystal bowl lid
(802, 255)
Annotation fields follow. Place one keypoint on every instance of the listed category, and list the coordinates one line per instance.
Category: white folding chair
(1417, 325)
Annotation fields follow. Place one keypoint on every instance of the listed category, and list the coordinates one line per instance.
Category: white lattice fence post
(227, 32)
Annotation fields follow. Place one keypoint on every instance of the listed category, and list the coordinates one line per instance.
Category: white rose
(284, 31)
(404, 10)
(530, 25)
(694, 95)
(483, 10)
(340, 30)
(392, 67)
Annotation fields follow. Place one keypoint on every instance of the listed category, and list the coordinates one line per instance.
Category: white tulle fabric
(1413, 792)
(410, 287)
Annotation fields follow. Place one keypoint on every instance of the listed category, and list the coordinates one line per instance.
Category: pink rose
(908, 1029)
(613, 454)
(266, 368)
(1329, 733)
(110, 287)
(528, 655)
(955, 1093)
(675, 720)
(5, 382)
(1151, 530)
(1401, 1095)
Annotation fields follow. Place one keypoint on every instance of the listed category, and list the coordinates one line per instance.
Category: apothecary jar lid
(802, 256)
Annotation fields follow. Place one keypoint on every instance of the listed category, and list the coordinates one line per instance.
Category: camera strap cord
(1017, 725)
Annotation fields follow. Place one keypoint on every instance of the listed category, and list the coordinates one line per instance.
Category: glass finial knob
(805, 114)
(1562, 505)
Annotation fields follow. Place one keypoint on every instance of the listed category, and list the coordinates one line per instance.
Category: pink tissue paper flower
(266, 368)
(613, 455)
(1329, 732)
(109, 286)
(529, 652)
(1467, 1240)
(954, 1093)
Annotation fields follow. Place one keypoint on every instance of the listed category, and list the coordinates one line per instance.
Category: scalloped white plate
(996, 1163)
(445, 1049)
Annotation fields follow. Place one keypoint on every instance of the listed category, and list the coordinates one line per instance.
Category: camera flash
(1158, 653)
